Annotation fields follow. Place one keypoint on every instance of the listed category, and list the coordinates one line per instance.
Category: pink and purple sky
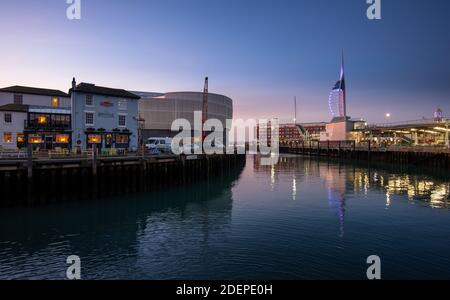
(259, 53)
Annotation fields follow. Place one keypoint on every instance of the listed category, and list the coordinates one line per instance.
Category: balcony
(47, 125)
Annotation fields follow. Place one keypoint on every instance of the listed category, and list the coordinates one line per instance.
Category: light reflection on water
(339, 181)
(301, 219)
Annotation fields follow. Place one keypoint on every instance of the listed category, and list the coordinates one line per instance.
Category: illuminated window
(20, 138)
(122, 139)
(94, 139)
(18, 99)
(62, 138)
(35, 139)
(55, 102)
(42, 119)
(89, 118)
(7, 138)
(89, 100)
(8, 118)
(122, 120)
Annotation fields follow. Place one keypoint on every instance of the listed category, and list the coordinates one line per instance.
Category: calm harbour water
(301, 219)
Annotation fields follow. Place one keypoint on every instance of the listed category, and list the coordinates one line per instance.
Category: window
(89, 100)
(55, 102)
(123, 104)
(20, 138)
(42, 119)
(18, 99)
(89, 119)
(61, 121)
(35, 139)
(7, 138)
(62, 138)
(8, 118)
(94, 139)
(122, 139)
(122, 120)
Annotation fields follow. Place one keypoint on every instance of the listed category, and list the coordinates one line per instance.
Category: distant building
(288, 134)
(337, 101)
(157, 111)
(341, 127)
(106, 117)
(314, 130)
(439, 115)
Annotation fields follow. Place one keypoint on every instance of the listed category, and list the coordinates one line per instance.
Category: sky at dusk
(259, 53)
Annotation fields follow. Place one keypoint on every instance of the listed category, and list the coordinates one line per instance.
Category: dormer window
(18, 99)
(55, 102)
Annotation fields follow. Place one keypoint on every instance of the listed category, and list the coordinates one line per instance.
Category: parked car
(162, 145)
(190, 148)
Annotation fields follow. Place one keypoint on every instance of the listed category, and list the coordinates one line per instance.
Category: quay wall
(420, 157)
(83, 180)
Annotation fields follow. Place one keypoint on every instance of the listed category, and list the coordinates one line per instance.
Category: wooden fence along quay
(417, 156)
(31, 179)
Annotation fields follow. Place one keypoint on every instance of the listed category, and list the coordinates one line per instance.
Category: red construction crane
(205, 108)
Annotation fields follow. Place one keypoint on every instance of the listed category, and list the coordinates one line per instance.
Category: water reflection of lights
(272, 178)
(439, 196)
(413, 188)
(294, 188)
(436, 193)
(388, 200)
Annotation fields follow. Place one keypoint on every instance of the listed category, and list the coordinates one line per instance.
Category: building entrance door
(108, 140)
(48, 142)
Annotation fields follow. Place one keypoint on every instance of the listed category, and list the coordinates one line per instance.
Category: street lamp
(447, 138)
(388, 116)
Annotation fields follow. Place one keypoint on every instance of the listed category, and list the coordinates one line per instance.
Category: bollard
(30, 161)
(94, 159)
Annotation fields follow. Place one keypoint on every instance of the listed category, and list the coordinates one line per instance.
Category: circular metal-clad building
(158, 111)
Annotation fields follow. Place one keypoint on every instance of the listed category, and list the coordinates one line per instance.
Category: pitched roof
(33, 91)
(14, 107)
(89, 88)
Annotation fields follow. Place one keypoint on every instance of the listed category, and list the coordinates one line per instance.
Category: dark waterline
(301, 219)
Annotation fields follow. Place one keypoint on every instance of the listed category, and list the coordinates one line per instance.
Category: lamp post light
(388, 116)
(447, 143)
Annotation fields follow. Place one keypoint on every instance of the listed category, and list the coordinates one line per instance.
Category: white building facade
(33, 115)
(12, 120)
(34, 96)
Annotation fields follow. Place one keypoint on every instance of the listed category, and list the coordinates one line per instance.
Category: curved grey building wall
(160, 110)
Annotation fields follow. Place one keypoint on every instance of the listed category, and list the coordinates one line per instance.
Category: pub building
(33, 115)
(45, 128)
(48, 128)
(105, 117)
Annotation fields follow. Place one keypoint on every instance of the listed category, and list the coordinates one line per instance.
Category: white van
(163, 145)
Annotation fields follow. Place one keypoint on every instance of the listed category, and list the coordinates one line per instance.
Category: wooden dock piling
(95, 176)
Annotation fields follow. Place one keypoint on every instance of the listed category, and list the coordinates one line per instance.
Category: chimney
(74, 84)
